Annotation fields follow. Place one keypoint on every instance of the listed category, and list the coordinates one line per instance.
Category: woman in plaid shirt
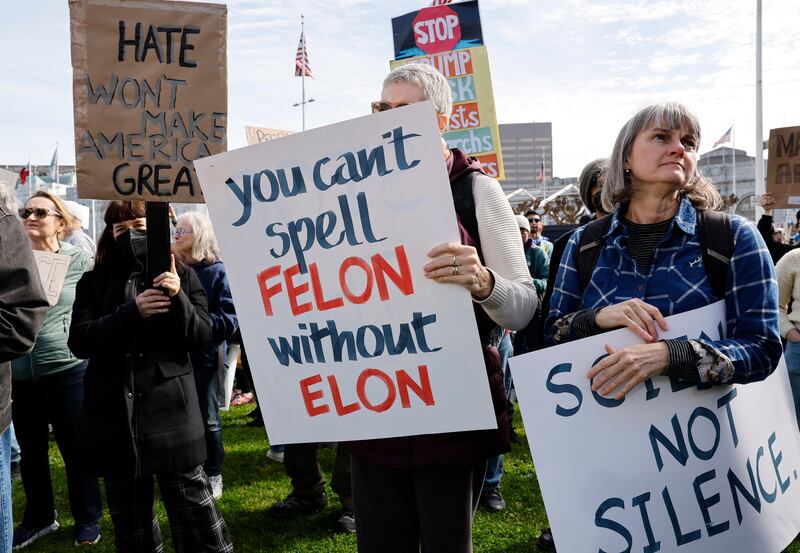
(651, 266)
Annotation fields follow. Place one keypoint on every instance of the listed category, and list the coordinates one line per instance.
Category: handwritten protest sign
(325, 234)
(52, 271)
(450, 39)
(668, 468)
(150, 96)
(783, 167)
(256, 135)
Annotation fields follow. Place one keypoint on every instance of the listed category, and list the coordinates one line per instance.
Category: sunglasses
(181, 231)
(40, 212)
(385, 106)
(534, 220)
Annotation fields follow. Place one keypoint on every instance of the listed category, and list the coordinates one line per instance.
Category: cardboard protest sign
(150, 96)
(257, 135)
(52, 272)
(783, 167)
(325, 234)
(669, 468)
(427, 36)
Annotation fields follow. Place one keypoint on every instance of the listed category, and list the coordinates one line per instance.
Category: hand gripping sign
(324, 235)
(669, 468)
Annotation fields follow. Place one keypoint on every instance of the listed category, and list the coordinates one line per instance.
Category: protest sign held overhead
(150, 96)
(668, 468)
(257, 135)
(450, 39)
(52, 272)
(783, 167)
(325, 234)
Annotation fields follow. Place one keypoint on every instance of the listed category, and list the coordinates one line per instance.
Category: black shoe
(297, 506)
(257, 422)
(346, 524)
(492, 500)
(545, 541)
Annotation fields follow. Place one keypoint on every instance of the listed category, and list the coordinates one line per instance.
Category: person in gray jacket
(23, 306)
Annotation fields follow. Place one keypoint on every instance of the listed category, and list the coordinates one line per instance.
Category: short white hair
(205, 248)
(434, 85)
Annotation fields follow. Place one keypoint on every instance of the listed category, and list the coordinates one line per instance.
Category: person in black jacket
(765, 228)
(23, 306)
(142, 413)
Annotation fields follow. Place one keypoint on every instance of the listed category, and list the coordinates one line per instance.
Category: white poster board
(52, 271)
(668, 466)
(324, 235)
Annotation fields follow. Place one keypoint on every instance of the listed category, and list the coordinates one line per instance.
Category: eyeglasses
(534, 220)
(181, 231)
(40, 212)
(385, 106)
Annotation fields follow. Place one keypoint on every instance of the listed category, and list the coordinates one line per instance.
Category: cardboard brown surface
(783, 167)
(257, 135)
(140, 124)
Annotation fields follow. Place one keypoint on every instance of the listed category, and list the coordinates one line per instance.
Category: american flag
(725, 138)
(440, 2)
(301, 65)
(541, 171)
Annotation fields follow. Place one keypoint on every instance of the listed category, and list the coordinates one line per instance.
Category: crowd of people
(128, 369)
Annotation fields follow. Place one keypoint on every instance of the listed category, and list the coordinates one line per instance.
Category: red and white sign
(436, 29)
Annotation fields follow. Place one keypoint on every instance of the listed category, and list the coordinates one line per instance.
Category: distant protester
(80, 221)
(142, 413)
(537, 228)
(196, 245)
(48, 389)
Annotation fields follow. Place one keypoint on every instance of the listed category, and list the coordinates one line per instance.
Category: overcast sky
(584, 65)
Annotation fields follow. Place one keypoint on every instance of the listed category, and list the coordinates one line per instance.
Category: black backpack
(716, 245)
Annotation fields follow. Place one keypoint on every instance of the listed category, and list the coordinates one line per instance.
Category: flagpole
(759, 172)
(303, 76)
(733, 143)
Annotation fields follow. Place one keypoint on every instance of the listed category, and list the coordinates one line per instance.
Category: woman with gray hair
(422, 490)
(653, 259)
(196, 245)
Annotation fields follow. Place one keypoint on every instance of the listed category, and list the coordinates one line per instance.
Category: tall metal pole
(733, 143)
(303, 70)
(759, 173)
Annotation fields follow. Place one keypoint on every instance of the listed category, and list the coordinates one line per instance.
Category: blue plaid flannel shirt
(677, 282)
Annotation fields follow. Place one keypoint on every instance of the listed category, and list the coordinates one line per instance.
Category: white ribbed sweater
(513, 299)
(788, 272)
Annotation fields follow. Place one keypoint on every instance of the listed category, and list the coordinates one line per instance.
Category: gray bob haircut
(669, 115)
(205, 248)
(433, 84)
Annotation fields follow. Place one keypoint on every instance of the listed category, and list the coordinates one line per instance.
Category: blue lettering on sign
(463, 89)
(706, 503)
(602, 522)
(564, 389)
(472, 141)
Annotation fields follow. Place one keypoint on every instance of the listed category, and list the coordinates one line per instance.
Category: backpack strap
(716, 244)
(464, 203)
(589, 248)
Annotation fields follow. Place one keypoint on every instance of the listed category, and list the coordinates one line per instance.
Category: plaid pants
(194, 519)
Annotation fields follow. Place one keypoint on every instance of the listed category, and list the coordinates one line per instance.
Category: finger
(626, 389)
(655, 312)
(450, 271)
(448, 248)
(636, 328)
(619, 380)
(603, 371)
(646, 320)
(602, 364)
(172, 263)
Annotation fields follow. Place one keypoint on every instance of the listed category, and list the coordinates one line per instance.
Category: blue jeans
(206, 379)
(494, 467)
(15, 451)
(58, 399)
(792, 356)
(6, 521)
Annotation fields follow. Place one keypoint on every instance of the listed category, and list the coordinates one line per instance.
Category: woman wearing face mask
(196, 245)
(48, 388)
(142, 412)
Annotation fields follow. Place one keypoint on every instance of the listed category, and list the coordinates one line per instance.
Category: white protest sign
(667, 469)
(325, 234)
(52, 272)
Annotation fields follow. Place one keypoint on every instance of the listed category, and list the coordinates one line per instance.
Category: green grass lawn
(252, 484)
